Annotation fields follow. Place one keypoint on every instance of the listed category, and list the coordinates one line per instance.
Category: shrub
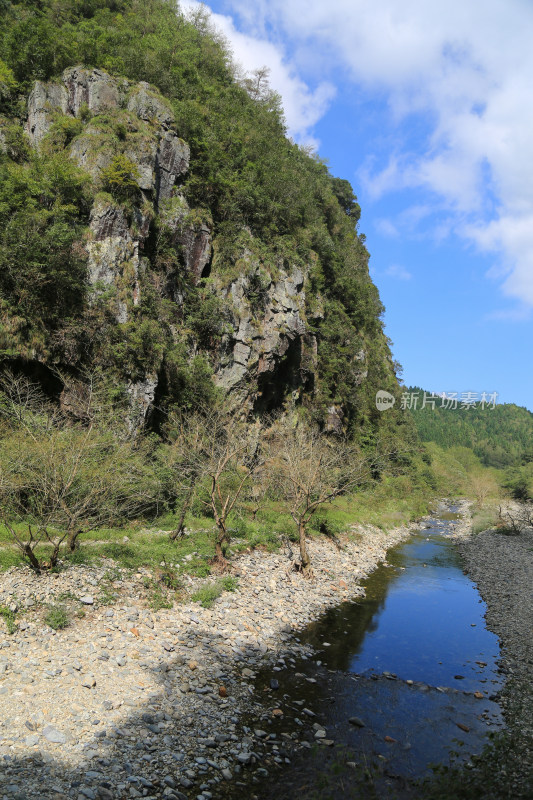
(121, 178)
(9, 619)
(209, 592)
(57, 617)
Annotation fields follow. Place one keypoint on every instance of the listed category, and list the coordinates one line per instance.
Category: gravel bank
(502, 567)
(128, 702)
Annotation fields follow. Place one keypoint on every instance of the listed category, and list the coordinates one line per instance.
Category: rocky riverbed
(502, 567)
(129, 702)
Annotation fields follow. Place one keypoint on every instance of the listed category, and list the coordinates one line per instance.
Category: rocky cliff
(157, 227)
(266, 352)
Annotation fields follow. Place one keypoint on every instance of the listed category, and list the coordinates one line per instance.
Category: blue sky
(427, 109)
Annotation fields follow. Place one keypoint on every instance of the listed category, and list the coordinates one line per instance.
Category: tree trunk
(32, 558)
(221, 544)
(72, 539)
(304, 555)
(55, 555)
(178, 531)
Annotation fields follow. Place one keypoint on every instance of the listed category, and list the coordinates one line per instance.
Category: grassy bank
(148, 543)
(393, 501)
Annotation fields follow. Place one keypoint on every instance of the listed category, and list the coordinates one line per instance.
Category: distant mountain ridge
(501, 435)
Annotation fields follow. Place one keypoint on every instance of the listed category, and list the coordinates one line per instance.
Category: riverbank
(502, 567)
(131, 702)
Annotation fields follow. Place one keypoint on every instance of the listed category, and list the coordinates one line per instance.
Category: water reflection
(412, 661)
(421, 619)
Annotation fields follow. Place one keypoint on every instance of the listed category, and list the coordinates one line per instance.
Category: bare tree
(312, 470)
(256, 83)
(482, 485)
(516, 518)
(65, 478)
(23, 404)
(185, 457)
(216, 455)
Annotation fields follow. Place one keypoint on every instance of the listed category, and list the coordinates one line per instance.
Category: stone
(357, 721)
(87, 600)
(53, 735)
(103, 793)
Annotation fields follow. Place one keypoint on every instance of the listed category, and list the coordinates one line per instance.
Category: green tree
(121, 178)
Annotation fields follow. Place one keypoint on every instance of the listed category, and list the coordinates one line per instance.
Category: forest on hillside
(501, 435)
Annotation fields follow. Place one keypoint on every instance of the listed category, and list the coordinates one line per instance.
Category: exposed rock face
(138, 123)
(150, 106)
(159, 154)
(141, 395)
(267, 352)
(3, 144)
(334, 420)
(114, 258)
(172, 161)
(192, 238)
(196, 248)
(44, 101)
(270, 343)
(92, 89)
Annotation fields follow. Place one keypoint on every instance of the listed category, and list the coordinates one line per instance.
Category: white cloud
(303, 106)
(398, 272)
(466, 66)
(386, 227)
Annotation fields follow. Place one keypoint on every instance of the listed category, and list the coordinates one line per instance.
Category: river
(413, 667)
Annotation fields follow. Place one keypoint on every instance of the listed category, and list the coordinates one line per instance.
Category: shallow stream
(412, 661)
